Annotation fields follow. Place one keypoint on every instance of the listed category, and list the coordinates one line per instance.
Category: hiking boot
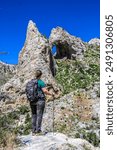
(41, 133)
(33, 133)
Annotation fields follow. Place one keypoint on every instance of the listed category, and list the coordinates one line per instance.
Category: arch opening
(61, 51)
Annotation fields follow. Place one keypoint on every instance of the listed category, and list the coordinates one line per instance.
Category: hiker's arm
(46, 91)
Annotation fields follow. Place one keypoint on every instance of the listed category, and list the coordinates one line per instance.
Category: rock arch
(66, 45)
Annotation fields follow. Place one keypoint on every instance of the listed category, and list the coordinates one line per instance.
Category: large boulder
(56, 141)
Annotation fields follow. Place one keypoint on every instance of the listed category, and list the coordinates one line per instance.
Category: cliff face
(36, 54)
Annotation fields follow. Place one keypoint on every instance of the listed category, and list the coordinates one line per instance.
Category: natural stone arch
(67, 45)
(62, 50)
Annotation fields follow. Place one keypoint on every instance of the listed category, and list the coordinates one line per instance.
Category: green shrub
(23, 109)
(92, 138)
(76, 74)
(77, 135)
(8, 125)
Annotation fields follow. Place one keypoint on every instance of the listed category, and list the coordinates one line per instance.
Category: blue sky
(79, 17)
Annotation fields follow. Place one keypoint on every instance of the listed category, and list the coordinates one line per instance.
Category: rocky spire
(36, 54)
(32, 31)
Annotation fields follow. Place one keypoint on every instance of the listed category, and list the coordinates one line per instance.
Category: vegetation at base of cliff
(10, 127)
(76, 74)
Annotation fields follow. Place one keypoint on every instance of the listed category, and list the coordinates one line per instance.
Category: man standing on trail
(37, 108)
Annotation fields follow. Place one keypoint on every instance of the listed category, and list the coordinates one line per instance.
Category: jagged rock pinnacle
(32, 31)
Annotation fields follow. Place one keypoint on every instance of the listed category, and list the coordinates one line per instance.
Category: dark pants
(37, 110)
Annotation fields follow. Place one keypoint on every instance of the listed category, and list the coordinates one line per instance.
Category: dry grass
(8, 141)
(84, 107)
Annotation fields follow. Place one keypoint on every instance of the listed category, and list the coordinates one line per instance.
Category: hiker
(37, 108)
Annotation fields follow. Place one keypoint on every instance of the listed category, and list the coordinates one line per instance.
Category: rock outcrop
(7, 71)
(36, 54)
(56, 141)
(94, 41)
(66, 45)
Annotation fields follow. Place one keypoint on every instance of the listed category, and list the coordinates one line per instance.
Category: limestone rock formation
(6, 72)
(36, 54)
(56, 141)
(4, 67)
(76, 113)
(66, 45)
(94, 41)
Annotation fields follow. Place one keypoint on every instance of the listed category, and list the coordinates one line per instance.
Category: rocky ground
(56, 141)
